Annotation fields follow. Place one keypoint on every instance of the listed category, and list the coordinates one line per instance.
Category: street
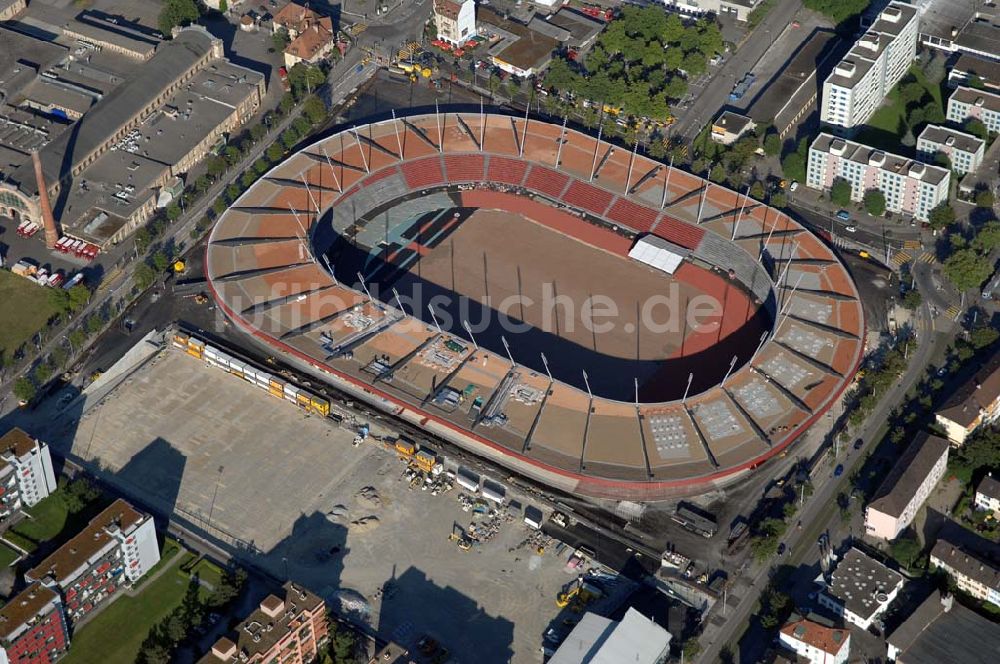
(820, 512)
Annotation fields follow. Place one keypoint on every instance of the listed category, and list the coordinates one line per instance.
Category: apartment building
(290, 629)
(115, 549)
(815, 643)
(864, 76)
(455, 20)
(973, 572)
(988, 495)
(965, 103)
(964, 151)
(311, 33)
(33, 627)
(910, 187)
(907, 486)
(860, 589)
(975, 403)
(26, 474)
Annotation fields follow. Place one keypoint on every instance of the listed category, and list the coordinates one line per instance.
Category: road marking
(911, 244)
(928, 257)
(953, 312)
(901, 257)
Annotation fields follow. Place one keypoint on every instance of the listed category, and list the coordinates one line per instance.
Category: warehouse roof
(582, 29)
(598, 640)
(793, 86)
(119, 108)
(910, 471)
(100, 31)
(942, 630)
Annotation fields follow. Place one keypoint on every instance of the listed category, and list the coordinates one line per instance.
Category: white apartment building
(26, 474)
(988, 495)
(965, 103)
(910, 187)
(816, 643)
(965, 151)
(864, 76)
(907, 486)
(973, 573)
(115, 549)
(455, 20)
(860, 589)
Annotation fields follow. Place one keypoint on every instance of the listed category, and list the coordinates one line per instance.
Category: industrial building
(789, 98)
(26, 474)
(860, 589)
(455, 20)
(599, 640)
(976, 403)
(815, 643)
(290, 628)
(965, 103)
(964, 151)
(907, 486)
(114, 551)
(102, 174)
(910, 187)
(942, 630)
(973, 572)
(864, 76)
(970, 69)
(33, 627)
(961, 26)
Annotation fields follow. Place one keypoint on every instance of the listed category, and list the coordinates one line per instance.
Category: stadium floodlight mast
(430, 308)
(739, 216)
(586, 381)
(524, 133)
(666, 183)
(763, 338)
(732, 364)
(395, 127)
(295, 214)
(636, 380)
(507, 348)
(333, 170)
(399, 303)
(330, 268)
(545, 363)
(437, 123)
(364, 159)
(597, 149)
(786, 309)
(631, 164)
(562, 141)
(688, 388)
(312, 198)
(701, 201)
(468, 328)
(767, 241)
(482, 126)
(365, 287)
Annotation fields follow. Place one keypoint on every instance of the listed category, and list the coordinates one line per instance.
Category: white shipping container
(467, 482)
(492, 494)
(249, 373)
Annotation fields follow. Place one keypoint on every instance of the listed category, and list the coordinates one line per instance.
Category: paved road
(820, 510)
(716, 92)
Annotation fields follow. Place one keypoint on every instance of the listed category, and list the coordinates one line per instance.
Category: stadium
(574, 311)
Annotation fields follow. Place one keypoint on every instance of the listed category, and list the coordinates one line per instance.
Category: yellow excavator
(578, 596)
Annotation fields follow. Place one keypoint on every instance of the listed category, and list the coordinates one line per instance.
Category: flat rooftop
(798, 80)
(935, 633)
(857, 579)
(958, 140)
(863, 154)
(523, 47)
(975, 97)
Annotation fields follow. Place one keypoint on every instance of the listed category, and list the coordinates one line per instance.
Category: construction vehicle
(578, 596)
(459, 537)
(406, 448)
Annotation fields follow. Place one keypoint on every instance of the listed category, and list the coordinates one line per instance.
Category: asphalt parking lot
(182, 437)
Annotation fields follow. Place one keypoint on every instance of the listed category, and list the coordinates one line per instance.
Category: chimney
(51, 232)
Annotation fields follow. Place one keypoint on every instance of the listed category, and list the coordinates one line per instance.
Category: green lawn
(886, 125)
(47, 519)
(20, 540)
(24, 309)
(115, 635)
(208, 572)
(7, 556)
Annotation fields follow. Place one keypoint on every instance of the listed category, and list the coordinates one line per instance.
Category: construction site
(207, 446)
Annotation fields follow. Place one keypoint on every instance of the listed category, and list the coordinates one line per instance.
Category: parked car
(858, 444)
(851, 229)
(839, 470)
(795, 185)
(844, 215)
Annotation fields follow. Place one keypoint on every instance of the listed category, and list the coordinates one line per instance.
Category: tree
(840, 192)
(289, 138)
(260, 166)
(223, 6)
(772, 144)
(912, 299)
(275, 151)
(314, 109)
(838, 10)
(717, 174)
(232, 155)
(257, 132)
(691, 648)
(177, 12)
(24, 389)
(247, 179)
(287, 103)
(757, 190)
(976, 127)
(280, 39)
(778, 199)
(983, 337)
(911, 92)
(941, 216)
(905, 550)
(144, 276)
(987, 237)
(302, 126)
(304, 79)
(984, 198)
(215, 166)
(966, 268)
(173, 212)
(874, 201)
(793, 165)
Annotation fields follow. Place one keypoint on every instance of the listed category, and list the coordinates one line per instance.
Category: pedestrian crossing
(900, 258)
(911, 244)
(928, 257)
(953, 312)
